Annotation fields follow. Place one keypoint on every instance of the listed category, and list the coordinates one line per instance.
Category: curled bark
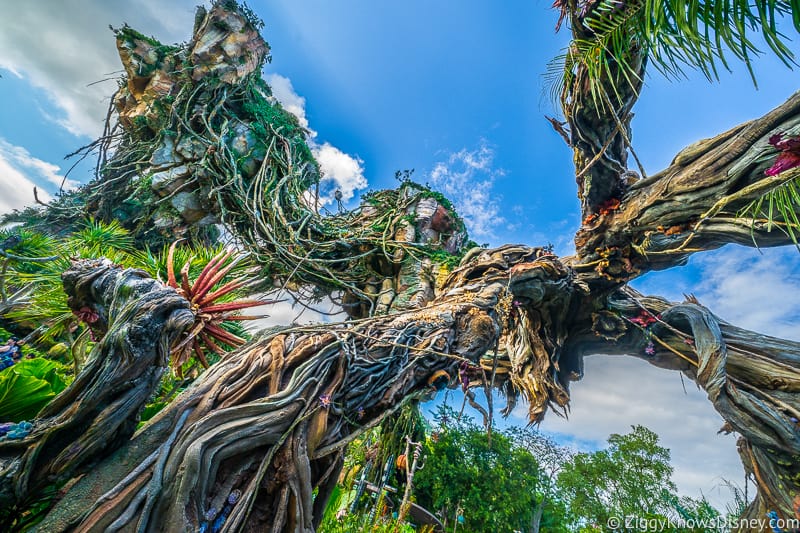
(138, 319)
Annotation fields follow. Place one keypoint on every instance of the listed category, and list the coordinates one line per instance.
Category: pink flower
(644, 319)
(86, 314)
(650, 349)
(788, 157)
(325, 400)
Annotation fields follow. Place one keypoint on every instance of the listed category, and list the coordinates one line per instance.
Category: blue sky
(455, 90)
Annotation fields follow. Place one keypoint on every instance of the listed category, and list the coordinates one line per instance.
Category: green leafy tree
(491, 482)
(631, 477)
(551, 458)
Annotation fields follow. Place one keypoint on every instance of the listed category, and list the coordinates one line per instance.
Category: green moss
(443, 257)
(270, 119)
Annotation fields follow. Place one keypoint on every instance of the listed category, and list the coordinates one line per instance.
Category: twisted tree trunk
(139, 319)
(248, 444)
(249, 441)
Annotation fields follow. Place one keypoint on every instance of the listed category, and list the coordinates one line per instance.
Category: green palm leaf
(675, 35)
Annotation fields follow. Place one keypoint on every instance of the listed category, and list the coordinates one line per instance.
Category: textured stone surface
(168, 181)
(189, 206)
(164, 156)
(227, 47)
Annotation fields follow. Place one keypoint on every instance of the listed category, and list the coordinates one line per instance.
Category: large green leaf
(28, 386)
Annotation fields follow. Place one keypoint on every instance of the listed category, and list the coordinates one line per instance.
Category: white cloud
(754, 289)
(467, 178)
(16, 190)
(62, 47)
(286, 312)
(340, 171)
(20, 172)
(619, 392)
(284, 92)
(70, 50)
(19, 158)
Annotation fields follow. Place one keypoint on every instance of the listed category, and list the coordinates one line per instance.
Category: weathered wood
(138, 319)
(270, 422)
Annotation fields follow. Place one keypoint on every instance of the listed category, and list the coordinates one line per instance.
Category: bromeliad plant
(211, 297)
(210, 278)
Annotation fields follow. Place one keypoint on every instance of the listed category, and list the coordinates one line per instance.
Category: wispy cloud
(340, 171)
(754, 289)
(21, 159)
(20, 172)
(467, 178)
(69, 50)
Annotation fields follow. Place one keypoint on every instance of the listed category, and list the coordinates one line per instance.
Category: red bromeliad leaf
(208, 341)
(203, 282)
(207, 331)
(222, 291)
(209, 283)
(187, 290)
(198, 351)
(223, 335)
(232, 306)
(788, 157)
(171, 281)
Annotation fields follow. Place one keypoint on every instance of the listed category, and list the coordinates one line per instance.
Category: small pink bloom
(325, 400)
(788, 157)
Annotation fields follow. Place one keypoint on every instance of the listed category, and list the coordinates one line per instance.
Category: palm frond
(98, 237)
(677, 34)
(780, 208)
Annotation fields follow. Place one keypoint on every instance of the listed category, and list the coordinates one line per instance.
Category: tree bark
(138, 320)
(265, 427)
(693, 205)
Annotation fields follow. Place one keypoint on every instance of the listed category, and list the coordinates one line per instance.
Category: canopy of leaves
(491, 482)
(629, 478)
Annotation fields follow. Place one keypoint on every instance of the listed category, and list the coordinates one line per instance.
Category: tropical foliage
(673, 35)
(28, 386)
(212, 278)
(520, 479)
(493, 483)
